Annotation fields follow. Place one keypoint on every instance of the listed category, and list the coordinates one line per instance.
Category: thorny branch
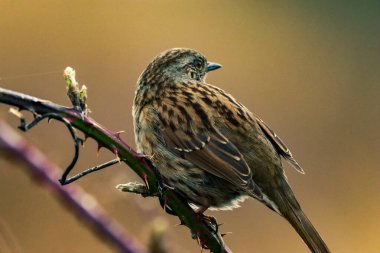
(204, 230)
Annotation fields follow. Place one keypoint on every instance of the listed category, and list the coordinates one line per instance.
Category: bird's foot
(210, 221)
(162, 187)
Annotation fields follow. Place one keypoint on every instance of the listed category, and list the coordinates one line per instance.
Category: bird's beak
(213, 66)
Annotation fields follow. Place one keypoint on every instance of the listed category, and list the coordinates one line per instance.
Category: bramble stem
(65, 181)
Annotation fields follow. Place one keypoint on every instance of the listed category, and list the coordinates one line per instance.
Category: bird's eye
(198, 64)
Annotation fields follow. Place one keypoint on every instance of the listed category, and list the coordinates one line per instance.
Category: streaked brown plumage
(208, 146)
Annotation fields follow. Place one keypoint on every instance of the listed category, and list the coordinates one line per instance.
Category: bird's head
(178, 64)
(168, 69)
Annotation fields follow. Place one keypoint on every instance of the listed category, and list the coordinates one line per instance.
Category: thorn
(15, 112)
(117, 134)
(99, 147)
(197, 238)
(67, 120)
(180, 224)
(200, 243)
(224, 234)
(114, 150)
(84, 140)
(145, 176)
(164, 206)
(85, 137)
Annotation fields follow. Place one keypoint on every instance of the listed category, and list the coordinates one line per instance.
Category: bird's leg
(162, 187)
(201, 209)
(210, 220)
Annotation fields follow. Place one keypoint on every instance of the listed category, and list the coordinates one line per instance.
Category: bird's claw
(210, 221)
(162, 187)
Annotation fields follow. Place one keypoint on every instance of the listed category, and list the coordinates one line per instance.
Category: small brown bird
(208, 146)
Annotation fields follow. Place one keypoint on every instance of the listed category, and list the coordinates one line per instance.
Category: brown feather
(280, 146)
(209, 150)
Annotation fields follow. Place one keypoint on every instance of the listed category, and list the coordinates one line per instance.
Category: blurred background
(310, 69)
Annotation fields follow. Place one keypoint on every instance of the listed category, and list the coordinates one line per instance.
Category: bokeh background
(310, 69)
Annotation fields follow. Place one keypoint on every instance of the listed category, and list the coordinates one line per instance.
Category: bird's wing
(280, 146)
(203, 145)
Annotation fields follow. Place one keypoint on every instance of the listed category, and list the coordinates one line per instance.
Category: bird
(209, 147)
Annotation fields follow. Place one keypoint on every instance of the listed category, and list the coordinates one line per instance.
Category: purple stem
(74, 196)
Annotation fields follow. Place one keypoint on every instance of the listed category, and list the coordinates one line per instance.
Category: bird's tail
(297, 218)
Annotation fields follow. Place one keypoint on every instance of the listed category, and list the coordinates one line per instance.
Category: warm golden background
(310, 69)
